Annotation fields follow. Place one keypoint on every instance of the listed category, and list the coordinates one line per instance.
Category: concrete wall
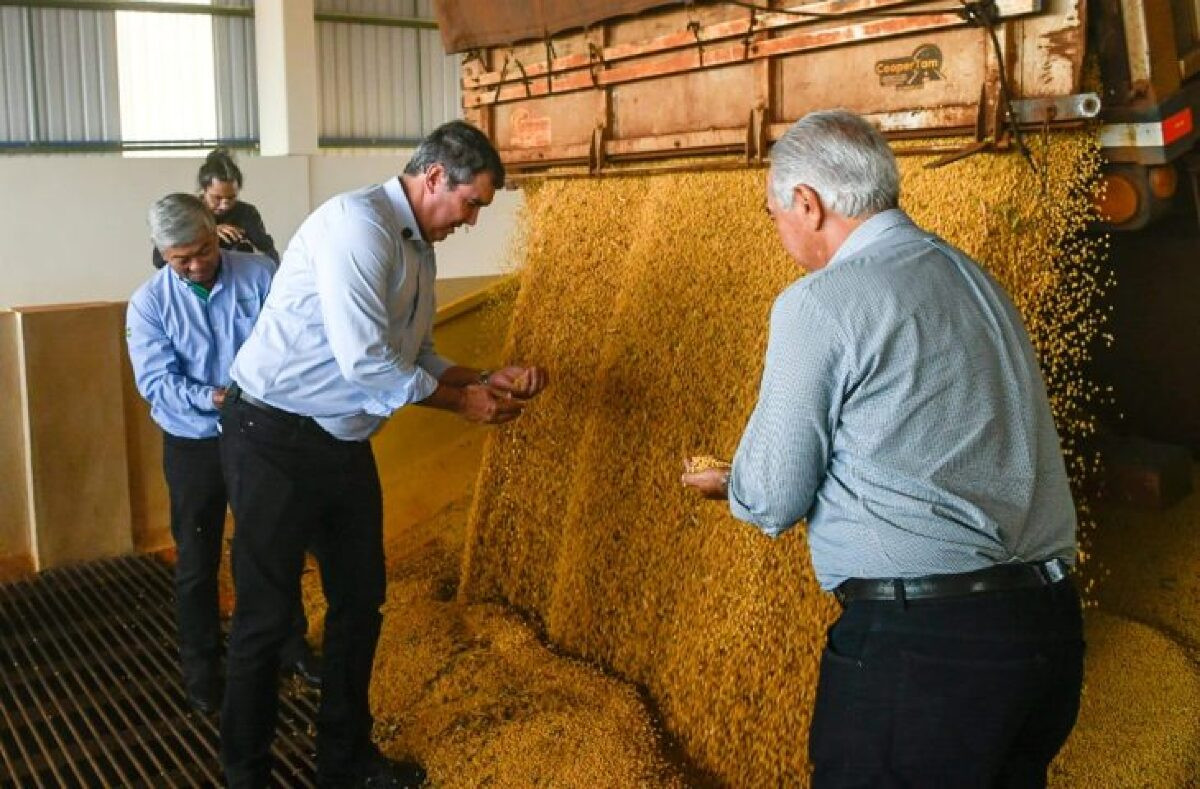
(73, 228)
(479, 251)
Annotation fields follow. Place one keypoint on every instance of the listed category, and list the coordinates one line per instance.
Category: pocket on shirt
(242, 326)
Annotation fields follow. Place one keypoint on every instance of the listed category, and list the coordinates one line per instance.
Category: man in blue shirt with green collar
(184, 326)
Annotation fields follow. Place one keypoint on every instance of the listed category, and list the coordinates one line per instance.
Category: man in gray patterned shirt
(903, 415)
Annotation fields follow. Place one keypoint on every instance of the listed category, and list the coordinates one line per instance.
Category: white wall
(73, 228)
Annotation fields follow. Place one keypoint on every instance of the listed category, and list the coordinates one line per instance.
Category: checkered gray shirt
(902, 411)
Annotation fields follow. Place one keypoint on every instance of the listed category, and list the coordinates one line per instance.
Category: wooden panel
(1050, 51)
(726, 43)
(719, 98)
(666, 23)
(149, 504)
(16, 555)
(1150, 42)
(887, 76)
(548, 122)
(685, 82)
(94, 470)
(76, 428)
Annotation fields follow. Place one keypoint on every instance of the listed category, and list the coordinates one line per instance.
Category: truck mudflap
(1157, 135)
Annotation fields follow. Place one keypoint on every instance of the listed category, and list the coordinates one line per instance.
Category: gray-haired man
(184, 327)
(903, 413)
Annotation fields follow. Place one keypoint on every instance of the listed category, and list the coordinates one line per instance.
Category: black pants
(292, 486)
(973, 691)
(192, 468)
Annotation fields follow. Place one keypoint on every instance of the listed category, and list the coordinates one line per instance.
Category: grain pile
(1152, 569)
(647, 299)
(1139, 721)
(472, 692)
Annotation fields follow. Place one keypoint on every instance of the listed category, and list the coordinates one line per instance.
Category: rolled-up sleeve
(353, 265)
(157, 371)
(784, 452)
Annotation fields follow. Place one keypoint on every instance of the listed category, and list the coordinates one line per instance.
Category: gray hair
(179, 219)
(842, 158)
(462, 149)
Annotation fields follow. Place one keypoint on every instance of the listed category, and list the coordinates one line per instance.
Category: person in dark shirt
(239, 225)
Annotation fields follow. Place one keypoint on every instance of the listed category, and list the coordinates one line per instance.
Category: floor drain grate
(90, 693)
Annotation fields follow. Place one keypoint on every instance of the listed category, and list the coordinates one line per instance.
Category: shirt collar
(869, 232)
(399, 199)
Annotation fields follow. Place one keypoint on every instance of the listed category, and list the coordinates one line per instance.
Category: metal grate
(90, 692)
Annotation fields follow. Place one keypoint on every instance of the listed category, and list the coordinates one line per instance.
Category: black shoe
(204, 696)
(380, 771)
(307, 668)
(202, 684)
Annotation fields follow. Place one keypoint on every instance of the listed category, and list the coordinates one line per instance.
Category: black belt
(234, 394)
(998, 577)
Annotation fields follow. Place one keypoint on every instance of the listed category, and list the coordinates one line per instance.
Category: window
(383, 78)
(123, 78)
(167, 81)
(127, 79)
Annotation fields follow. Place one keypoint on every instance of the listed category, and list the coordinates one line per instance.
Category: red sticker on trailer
(1177, 126)
(529, 130)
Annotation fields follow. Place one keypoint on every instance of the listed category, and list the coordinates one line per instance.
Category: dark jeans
(973, 691)
(192, 468)
(293, 486)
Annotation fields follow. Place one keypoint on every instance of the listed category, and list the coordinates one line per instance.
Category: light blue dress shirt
(903, 412)
(346, 335)
(181, 346)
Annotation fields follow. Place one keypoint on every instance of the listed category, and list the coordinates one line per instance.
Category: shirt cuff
(418, 387)
(202, 398)
(435, 365)
(744, 513)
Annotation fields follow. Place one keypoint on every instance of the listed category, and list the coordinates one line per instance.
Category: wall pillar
(286, 53)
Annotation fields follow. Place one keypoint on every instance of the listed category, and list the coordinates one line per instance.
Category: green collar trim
(201, 292)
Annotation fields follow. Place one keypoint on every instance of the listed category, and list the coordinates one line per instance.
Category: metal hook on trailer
(550, 55)
(595, 60)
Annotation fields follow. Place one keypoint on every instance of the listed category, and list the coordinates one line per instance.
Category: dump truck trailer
(587, 87)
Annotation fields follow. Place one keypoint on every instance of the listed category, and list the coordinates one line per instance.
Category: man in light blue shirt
(902, 413)
(345, 339)
(183, 327)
